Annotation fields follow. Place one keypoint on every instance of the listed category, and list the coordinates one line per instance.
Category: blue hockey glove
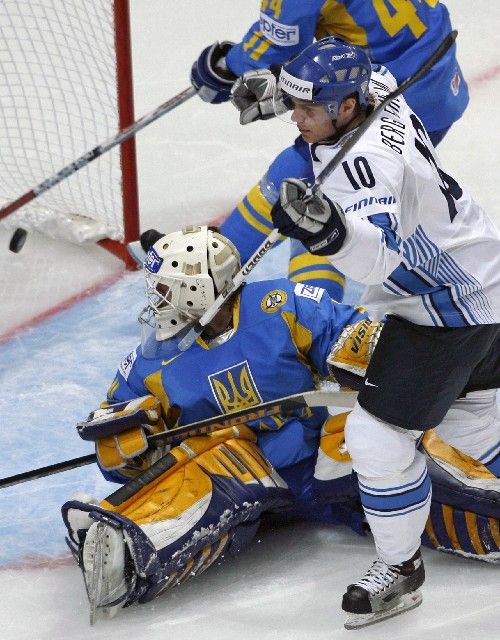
(210, 75)
(311, 218)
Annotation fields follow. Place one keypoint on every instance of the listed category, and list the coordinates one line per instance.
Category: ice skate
(384, 592)
(103, 565)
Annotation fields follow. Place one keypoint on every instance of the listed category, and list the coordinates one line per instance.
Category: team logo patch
(273, 301)
(153, 261)
(284, 35)
(234, 388)
(126, 366)
(309, 291)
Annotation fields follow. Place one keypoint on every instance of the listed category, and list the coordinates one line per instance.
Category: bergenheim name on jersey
(440, 258)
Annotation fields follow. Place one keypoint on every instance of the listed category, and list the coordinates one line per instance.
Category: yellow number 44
(274, 5)
(403, 14)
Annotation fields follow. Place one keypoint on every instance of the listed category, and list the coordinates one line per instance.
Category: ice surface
(194, 165)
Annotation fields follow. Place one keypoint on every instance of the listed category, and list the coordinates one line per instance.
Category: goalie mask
(185, 271)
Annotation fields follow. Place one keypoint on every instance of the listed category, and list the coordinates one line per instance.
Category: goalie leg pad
(462, 533)
(459, 480)
(103, 564)
(465, 511)
(208, 501)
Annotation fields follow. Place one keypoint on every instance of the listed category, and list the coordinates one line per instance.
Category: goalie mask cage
(65, 87)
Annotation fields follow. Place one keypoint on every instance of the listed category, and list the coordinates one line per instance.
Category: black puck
(18, 239)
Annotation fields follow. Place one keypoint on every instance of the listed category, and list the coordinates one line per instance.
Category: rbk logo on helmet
(349, 54)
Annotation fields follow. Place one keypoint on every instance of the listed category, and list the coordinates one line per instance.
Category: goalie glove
(311, 218)
(120, 434)
(130, 451)
(252, 94)
(354, 348)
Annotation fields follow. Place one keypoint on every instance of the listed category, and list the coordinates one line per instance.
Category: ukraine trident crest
(234, 388)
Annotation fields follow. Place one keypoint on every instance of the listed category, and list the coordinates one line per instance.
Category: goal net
(65, 87)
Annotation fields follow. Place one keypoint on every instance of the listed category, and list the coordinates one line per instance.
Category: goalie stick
(19, 236)
(282, 406)
(242, 275)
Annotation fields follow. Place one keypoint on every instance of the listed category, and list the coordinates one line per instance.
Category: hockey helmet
(325, 72)
(185, 271)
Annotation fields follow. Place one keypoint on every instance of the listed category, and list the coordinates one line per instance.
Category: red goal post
(65, 86)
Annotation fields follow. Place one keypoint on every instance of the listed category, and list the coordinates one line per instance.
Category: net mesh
(58, 100)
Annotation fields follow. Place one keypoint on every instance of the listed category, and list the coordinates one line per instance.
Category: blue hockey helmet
(326, 72)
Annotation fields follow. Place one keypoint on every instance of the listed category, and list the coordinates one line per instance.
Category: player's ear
(348, 106)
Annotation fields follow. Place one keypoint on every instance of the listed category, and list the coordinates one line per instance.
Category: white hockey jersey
(415, 236)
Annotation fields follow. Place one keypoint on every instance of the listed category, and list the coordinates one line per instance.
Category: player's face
(312, 121)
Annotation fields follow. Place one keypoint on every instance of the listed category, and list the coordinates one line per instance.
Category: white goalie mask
(185, 271)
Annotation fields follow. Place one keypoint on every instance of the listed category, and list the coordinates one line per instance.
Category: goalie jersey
(415, 236)
(400, 35)
(281, 337)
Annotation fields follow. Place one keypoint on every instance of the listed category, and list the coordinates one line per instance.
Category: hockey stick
(281, 406)
(19, 235)
(242, 275)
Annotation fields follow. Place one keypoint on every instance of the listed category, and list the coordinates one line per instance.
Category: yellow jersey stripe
(324, 275)
(252, 220)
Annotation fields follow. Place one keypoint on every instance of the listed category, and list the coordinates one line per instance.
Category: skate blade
(407, 602)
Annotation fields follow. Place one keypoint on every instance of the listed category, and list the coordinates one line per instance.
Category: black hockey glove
(210, 75)
(313, 219)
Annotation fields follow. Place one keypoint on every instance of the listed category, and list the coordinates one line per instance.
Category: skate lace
(379, 576)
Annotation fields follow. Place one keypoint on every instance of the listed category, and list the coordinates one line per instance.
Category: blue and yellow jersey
(282, 336)
(399, 34)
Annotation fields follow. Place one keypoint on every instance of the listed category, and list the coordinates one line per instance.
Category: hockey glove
(130, 450)
(120, 432)
(210, 76)
(311, 218)
(252, 94)
(354, 347)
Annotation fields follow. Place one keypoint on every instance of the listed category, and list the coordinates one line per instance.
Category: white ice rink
(195, 164)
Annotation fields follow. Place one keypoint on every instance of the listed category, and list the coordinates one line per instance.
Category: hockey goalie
(181, 508)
